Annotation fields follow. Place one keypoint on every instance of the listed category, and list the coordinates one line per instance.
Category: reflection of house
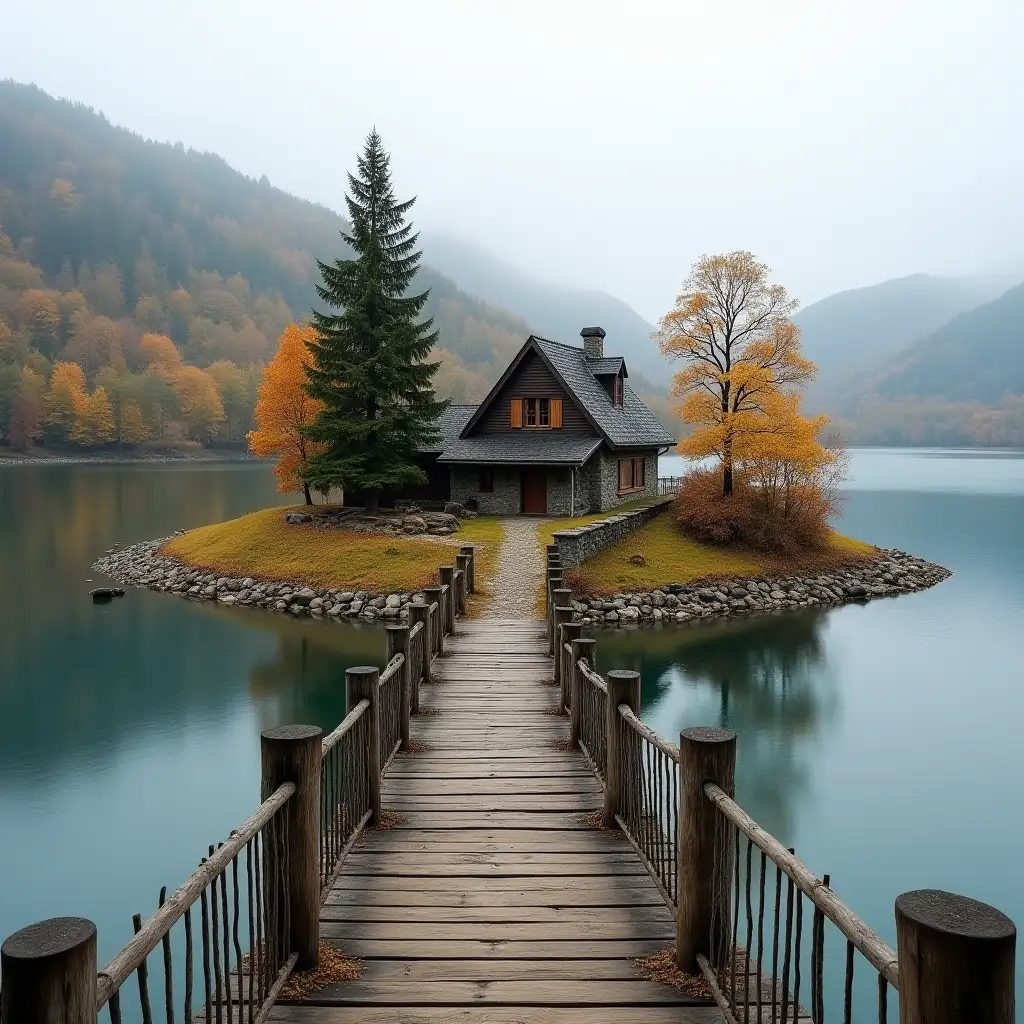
(561, 433)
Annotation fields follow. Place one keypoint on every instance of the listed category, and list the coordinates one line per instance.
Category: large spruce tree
(369, 363)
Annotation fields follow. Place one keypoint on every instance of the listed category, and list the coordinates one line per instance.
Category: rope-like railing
(593, 692)
(649, 810)
(243, 892)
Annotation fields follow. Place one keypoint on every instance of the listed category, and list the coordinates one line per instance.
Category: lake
(879, 740)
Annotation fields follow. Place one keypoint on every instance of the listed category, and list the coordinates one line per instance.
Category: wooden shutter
(639, 465)
(624, 469)
(516, 413)
(556, 413)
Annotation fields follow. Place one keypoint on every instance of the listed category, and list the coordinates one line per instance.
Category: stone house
(560, 433)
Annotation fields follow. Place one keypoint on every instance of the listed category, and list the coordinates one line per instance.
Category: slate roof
(539, 447)
(449, 426)
(629, 424)
(606, 365)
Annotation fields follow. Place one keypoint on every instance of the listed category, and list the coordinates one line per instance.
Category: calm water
(881, 741)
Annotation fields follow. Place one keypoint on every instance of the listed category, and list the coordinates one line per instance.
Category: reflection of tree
(766, 678)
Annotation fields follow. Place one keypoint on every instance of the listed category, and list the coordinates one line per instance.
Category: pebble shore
(141, 565)
(893, 572)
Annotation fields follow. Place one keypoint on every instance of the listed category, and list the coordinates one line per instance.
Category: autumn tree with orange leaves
(740, 388)
(284, 408)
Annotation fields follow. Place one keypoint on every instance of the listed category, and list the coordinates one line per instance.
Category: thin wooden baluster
(750, 939)
(259, 947)
(819, 1008)
(206, 953)
(735, 911)
(775, 941)
(796, 955)
(883, 1000)
(168, 979)
(848, 986)
(227, 941)
(114, 1008)
(234, 932)
(143, 975)
(788, 948)
(760, 931)
(188, 966)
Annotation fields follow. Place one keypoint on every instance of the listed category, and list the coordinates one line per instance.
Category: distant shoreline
(125, 458)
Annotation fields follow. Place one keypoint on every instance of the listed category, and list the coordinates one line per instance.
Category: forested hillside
(112, 247)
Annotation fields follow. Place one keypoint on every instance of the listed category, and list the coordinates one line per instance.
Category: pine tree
(369, 368)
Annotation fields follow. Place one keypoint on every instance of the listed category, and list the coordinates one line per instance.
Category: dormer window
(617, 390)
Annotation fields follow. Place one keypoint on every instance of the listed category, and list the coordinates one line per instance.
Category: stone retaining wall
(579, 544)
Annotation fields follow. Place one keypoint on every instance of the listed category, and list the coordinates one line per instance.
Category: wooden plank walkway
(494, 900)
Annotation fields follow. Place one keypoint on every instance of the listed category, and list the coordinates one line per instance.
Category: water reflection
(766, 678)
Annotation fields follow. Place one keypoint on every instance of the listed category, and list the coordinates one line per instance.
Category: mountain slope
(977, 356)
(853, 331)
(552, 310)
(78, 192)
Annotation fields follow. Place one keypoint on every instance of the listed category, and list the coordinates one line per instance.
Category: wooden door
(534, 491)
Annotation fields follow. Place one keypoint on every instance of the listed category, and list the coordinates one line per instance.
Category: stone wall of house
(504, 500)
(560, 491)
(608, 495)
(575, 546)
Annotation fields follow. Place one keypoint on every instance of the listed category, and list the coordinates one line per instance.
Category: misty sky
(604, 145)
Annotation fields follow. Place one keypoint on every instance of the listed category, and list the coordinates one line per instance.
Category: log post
(363, 682)
(465, 559)
(560, 598)
(587, 650)
(956, 959)
(562, 614)
(706, 754)
(468, 549)
(435, 595)
(447, 575)
(623, 688)
(48, 973)
(291, 753)
(570, 631)
(420, 613)
(462, 564)
(397, 642)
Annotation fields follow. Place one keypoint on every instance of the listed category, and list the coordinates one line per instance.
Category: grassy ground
(261, 544)
(672, 558)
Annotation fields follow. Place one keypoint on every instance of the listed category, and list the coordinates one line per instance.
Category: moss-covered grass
(669, 557)
(262, 544)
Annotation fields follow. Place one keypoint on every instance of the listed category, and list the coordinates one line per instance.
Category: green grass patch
(262, 544)
(670, 557)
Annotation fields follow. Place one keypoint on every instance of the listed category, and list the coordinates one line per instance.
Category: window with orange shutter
(556, 413)
(516, 413)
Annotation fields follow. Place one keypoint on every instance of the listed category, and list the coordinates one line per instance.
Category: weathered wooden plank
(503, 993)
(513, 913)
(417, 1014)
(454, 931)
(501, 970)
(478, 949)
(553, 884)
(495, 898)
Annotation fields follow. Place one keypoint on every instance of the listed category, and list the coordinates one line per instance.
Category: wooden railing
(249, 915)
(669, 484)
(738, 893)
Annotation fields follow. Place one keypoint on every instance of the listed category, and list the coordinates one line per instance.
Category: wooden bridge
(494, 836)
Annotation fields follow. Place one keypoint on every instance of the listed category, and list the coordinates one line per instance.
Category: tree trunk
(305, 491)
(727, 480)
(372, 502)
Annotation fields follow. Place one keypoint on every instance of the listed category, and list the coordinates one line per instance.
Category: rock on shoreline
(141, 565)
(894, 572)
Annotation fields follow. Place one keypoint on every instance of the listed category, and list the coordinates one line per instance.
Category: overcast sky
(605, 145)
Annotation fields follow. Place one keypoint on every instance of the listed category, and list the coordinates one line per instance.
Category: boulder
(298, 517)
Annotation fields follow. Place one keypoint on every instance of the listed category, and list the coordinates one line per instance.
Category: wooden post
(570, 631)
(623, 688)
(461, 593)
(434, 595)
(48, 973)
(447, 574)
(420, 613)
(562, 614)
(956, 959)
(291, 753)
(559, 598)
(586, 649)
(706, 754)
(465, 563)
(361, 682)
(470, 552)
(397, 642)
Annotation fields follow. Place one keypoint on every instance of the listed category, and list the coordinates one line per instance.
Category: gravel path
(520, 572)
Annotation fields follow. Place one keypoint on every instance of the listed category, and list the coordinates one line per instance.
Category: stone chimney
(593, 342)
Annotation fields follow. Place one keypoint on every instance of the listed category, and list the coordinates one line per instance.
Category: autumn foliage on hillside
(775, 483)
